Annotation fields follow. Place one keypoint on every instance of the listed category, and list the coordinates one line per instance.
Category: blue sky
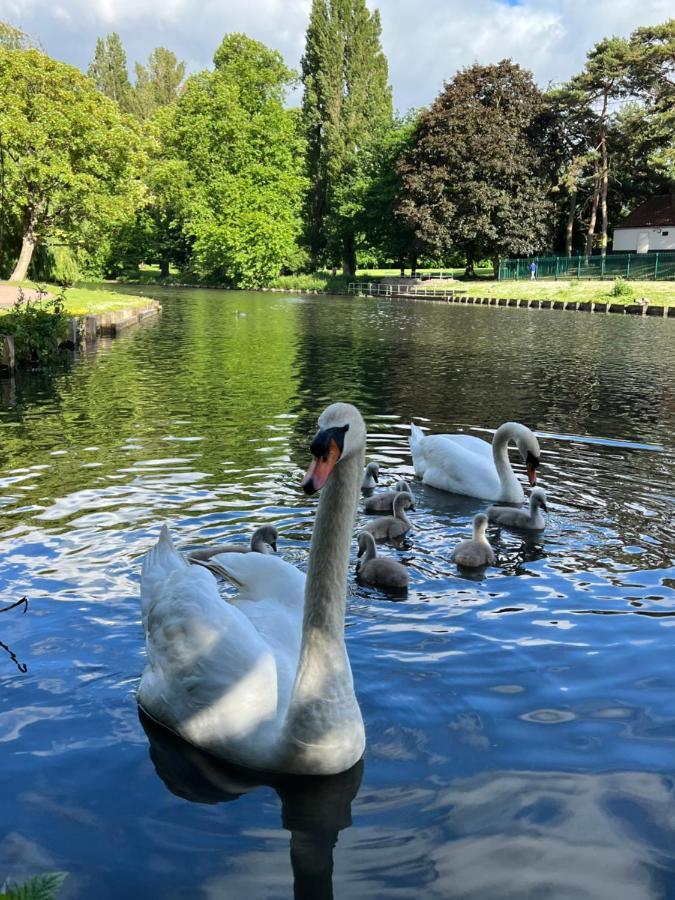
(426, 41)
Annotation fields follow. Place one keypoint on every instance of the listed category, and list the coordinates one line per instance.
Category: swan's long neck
(323, 691)
(511, 489)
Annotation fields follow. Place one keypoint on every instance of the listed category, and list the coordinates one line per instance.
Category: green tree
(346, 101)
(476, 177)
(578, 157)
(366, 201)
(603, 80)
(70, 157)
(109, 71)
(159, 83)
(651, 80)
(242, 181)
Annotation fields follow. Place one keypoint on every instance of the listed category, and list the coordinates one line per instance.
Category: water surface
(521, 727)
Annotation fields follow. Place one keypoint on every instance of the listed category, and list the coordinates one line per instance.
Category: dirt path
(8, 294)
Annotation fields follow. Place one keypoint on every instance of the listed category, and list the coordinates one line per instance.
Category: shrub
(318, 281)
(38, 326)
(621, 288)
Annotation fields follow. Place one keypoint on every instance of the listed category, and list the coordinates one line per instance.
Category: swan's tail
(416, 435)
(158, 564)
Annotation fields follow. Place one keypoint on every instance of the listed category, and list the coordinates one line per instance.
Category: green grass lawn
(82, 301)
(659, 293)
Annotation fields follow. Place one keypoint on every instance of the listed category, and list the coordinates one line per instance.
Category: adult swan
(464, 464)
(265, 681)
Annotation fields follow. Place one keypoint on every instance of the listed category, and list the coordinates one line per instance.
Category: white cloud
(426, 41)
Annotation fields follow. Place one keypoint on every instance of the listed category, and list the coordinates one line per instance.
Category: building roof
(653, 213)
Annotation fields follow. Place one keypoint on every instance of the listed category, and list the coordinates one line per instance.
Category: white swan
(464, 464)
(531, 518)
(265, 681)
(475, 552)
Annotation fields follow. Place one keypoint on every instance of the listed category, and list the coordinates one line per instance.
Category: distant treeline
(214, 178)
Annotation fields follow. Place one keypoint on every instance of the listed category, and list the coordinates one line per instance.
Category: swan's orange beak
(320, 469)
(532, 464)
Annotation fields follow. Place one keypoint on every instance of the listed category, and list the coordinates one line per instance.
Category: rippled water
(521, 728)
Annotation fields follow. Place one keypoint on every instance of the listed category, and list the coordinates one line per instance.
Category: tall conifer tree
(109, 70)
(347, 100)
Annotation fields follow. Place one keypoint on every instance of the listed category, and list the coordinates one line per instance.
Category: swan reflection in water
(313, 808)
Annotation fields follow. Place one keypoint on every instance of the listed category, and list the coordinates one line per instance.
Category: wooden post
(90, 328)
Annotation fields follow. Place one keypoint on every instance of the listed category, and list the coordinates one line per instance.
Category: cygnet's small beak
(544, 506)
(273, 545)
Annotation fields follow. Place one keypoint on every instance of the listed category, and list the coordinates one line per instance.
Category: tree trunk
(401, 265)
(413, 263)
(27, 245)
(603, 208)
(594, 214)
(569, 228)
(604, 177)
(164, 267)
(348, 255)
(495, 267)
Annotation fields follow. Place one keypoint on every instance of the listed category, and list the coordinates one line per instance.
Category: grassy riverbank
(659, 293)
(79, 301)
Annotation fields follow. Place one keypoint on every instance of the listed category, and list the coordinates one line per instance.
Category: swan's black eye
(321, 443)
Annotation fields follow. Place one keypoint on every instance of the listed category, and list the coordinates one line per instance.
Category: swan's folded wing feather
(454, 468)
(260, 576)
(206, 661)
(470, 442)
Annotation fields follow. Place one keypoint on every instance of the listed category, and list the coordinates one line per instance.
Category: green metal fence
(633, 266)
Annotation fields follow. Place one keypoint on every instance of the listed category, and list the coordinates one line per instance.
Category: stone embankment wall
(86, 330)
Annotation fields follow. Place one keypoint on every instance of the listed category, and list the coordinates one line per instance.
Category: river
(520, 727)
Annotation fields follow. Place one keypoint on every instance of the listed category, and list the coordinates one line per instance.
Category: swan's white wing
(261, 576)
(450, 466)
(271, 595)
(471, 443)
(210, 676)
(424, 449)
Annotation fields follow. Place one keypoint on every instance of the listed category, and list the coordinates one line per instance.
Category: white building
(649, 228)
